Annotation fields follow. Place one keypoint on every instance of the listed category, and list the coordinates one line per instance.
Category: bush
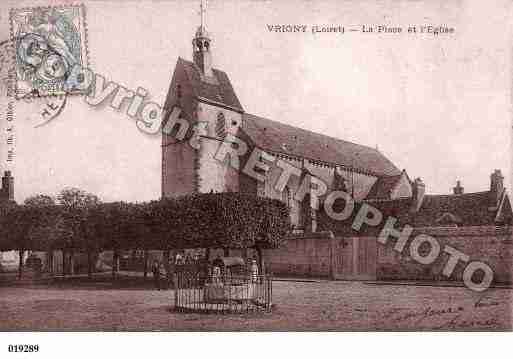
(219, 220)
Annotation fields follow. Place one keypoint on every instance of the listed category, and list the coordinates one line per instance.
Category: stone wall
(315, 255)
(492, 245)
(178, 170)
(302, 255)
(323, 255)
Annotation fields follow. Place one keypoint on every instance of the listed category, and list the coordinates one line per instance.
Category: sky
(437, 106)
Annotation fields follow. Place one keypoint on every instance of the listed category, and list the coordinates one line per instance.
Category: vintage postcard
(255, 166)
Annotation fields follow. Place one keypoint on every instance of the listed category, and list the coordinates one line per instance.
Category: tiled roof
(279, 137)
(469, 209)
(472, 208)
(221, 92)
(382, 187)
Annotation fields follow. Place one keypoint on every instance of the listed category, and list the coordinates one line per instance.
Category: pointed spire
(203, 13)
(201, 44)
(202, 29)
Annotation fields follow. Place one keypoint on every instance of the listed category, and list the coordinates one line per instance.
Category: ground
(299, 305)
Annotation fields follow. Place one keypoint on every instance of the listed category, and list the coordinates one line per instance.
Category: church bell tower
(201, 45)
(204, 95)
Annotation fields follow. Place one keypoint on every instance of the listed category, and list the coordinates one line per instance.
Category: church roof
(219, 91)
(278, 137)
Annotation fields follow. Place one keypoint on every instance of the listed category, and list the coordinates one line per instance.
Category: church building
(205, 94)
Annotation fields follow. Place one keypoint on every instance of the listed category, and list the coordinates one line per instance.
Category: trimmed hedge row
(215, 220)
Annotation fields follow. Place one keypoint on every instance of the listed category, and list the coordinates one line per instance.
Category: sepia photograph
(255, 166)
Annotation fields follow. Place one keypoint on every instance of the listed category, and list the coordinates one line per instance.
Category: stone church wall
(361, 182)
(179, 159)
(178, 170)
(214, 175)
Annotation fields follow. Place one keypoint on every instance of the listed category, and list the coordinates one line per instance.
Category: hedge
(215, 220)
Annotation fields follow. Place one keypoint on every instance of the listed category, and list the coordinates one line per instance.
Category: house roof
(469, 209)
(383, 186)
(281, 138)
(473, 209)
(219, 91)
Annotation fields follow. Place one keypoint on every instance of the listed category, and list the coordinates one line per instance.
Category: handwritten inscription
(483, 302)
(428, 313)
(457, 322)
(474, 316)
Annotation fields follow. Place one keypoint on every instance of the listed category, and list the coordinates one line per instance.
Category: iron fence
(196, 292)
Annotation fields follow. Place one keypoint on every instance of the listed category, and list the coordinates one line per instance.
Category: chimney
(496, 185)
(458, 189)
(7, 187)
(418, 189)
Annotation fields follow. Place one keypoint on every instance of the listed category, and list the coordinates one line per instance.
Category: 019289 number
(22, 348)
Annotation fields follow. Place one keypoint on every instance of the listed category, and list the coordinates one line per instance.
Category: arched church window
(221, 126)
(179, 91)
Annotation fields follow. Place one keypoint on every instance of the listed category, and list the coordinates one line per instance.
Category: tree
(21, 227)
(150, 230)
(272, 222)
(48, 230)
(115, 225)
(76, 205)
(81, 222)
(5, 243)
(218, 220)
(40, 200)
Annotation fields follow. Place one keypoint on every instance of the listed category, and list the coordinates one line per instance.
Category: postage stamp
(50, 46)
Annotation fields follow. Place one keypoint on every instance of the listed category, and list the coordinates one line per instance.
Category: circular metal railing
(198, 292)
